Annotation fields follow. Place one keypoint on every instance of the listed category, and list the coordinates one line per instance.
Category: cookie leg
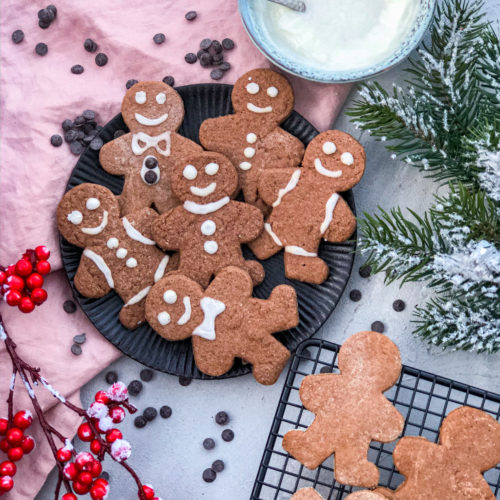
(133, 315)
(266, 245)
(268, 358)
(255, 270)
(305, 266)
(284, 300)
(352, 467)
(210, 358)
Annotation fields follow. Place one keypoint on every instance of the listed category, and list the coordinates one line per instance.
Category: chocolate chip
(201, 52)
(77, 69)
(41, 49)
(104, 475)
(218, 466)
(209, 475)
(45, 15)
(89, 45)
(398, 305)
(130, 83)
(101, 59)
(119, 133)
(216, 46)
(222, 418)
(159, 38)
(365, 271)
(80, 339)
(150, 177)
(355, 295)
(111, 377)
(140, 422)
(326, 369)
(79, 121)
(165, 412)
(227, 435)
(18, 36)
(378, 326)
(56, 140)
(76, 148)
(76, 349)
(224, 66)
(208, 444)
(191, 15)
(218, 58)
(67, 124)
(185, 381)
(53, 9)
(69, 306)
(205, 43)
(169, 80)
(205, 59)
(135, 387)
(151, 162)
(80, 135)
(216, 74)
(89, 115)
(70, 135)
(43, 24)
(96, 144)
(87, 139)
(227, 44)
(88, 129)
(150, 413)
(190, 58)
(146, 374)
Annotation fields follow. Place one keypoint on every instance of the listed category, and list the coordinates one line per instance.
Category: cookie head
(84, 213)
(372, 359)
(263, 93)
(204, 178)
(173, 307)
(337, 157)
(153, 108)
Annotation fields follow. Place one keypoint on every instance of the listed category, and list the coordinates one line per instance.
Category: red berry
(15, 454)
(102, 483)
(15, 282)
(3, 277)
(85, 433)
(42, 267)
(96, 468)
(101, 397)
(6, 484)
(8, 469)
(23, 267)
(95, 447)
(26, 305)
(11, 270)
(148, 491)
(98, 492)
(23, 419)
(69, 496)
(4, 425)
(28, 444)
(63, 455)
(42, 252)
(38, 296)
(112, 435)
(80, 489)
(83, 459)
(117, 413)
(70, 471)
(34, 280)
(14, 436)
(85, 478)
(13, 298)
(4, 445)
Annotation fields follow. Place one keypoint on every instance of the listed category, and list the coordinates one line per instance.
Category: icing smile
(150, 122)
(256, 109)
(206, 191)
(187, 311)
(324, 171)
(98, 229)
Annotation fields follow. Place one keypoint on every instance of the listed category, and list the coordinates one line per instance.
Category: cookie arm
(210, 133)
(113, 154)
(343, 223)
(281, 149)
(248, 221)
(142, 221)
(169, 228)
(408, 449)
(90, 281)
(271, 181)
(391, 422)
(313, 387)
(230, 285)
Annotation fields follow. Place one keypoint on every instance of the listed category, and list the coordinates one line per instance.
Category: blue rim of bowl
(412, 40)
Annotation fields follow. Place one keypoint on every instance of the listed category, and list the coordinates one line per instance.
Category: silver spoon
(297, 5)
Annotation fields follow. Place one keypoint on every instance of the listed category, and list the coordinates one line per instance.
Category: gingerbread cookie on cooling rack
(118, 254)
(252, 137)
(153, 111)
(312, 494)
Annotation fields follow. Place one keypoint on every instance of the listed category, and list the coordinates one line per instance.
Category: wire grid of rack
(424, 400)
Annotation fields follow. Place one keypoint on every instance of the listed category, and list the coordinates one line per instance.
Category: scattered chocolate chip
(76, 148)
(205, 43)
(119, 133)
(18, 36)
(70, 135)
(67, 124)
(151, 162)
(96, 144)
(190, 58)
(222, 418)
(150, 177)
(355, 295)
(169, 80)
(398, 305)
(69, 306)
(80, 339)
(104, 475)
(216, 74)
(165, 412)
(140, 422)
(218, 58)
(41, 49)
(365, 271)
(205, 59)
(89, 115)
(378, 326)
(79, 120)
(56, 140)
(111, 377)
(201, 52)
(150, 413)
(208, 444)
(130, 83)
(326, 369)
(218, 466)
(46, 16)
(80, 135)
(227, 44)
(209, 475)
(216, 46)
(101, 59)
(191, 15)
(43, 24)
(159, 38)
(77, 69)
(224, 66)
(76, 349)
(87, 139)
(185, 381)
(135, 387)
(53, 9)
(147, 374)
(89, 45)
(227, 435)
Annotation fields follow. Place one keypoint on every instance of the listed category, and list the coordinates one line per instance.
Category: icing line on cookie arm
(273, 235)
(292, 184)
(211, 309)
(299, 251)
(187, 311)
(160, 270)
(329, 208)
(138, 296)
(133, 233)
(207, 208)
(98, 229)
(101, 265)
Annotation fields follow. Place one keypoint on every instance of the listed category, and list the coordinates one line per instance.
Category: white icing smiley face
(253, 88)
(170, 298)
(329, 148)
(141, 98)
(191, 173)
(76, 217)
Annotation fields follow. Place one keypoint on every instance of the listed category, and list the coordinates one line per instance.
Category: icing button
(251, 138)
(210, 247)
(112, 243)
(245, 165)
(249, 152)
(131, 262)
(121, 253)
(208, 228)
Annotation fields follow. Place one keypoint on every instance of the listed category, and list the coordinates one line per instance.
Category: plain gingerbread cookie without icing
(153, 112)
(306, 494)
(251, 137)
(118, 254)
(351, 410)
(312, 494)
(225, 321)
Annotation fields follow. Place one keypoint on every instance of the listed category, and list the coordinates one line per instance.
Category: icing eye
(211, 168)
(164, 318)
(272, 91)
(253, 88)
(347, 158)
(170, 297)
(329, 148)
(190, 172)
(75, 217)
(140, 97)
(93, 203)
(161, 98)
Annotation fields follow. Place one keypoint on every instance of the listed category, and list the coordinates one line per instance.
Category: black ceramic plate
(143, 344)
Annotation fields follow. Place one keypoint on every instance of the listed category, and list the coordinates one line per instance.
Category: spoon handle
(297, 5)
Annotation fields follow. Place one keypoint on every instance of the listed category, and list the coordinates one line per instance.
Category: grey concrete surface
(169, 453)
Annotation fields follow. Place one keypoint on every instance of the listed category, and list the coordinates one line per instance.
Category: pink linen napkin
(37, 94)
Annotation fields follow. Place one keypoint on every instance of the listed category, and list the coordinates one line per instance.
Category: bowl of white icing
(337, 40)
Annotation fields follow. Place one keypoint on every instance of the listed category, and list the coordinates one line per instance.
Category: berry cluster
(21, 283)
(15, 444)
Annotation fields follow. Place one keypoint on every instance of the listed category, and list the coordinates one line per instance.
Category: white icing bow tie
(211, 309)
(151, 142)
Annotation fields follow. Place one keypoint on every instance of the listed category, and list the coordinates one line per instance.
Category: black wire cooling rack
(424, 400)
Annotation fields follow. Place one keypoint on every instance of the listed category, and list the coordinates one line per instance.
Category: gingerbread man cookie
(306, 206)
(312, 494)
(209, 228)
(118, 253)
(469, 444)
(350, 409)
(306, 494)
(365, 495)
(251, 137)
(225, 322)
(153, 111)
